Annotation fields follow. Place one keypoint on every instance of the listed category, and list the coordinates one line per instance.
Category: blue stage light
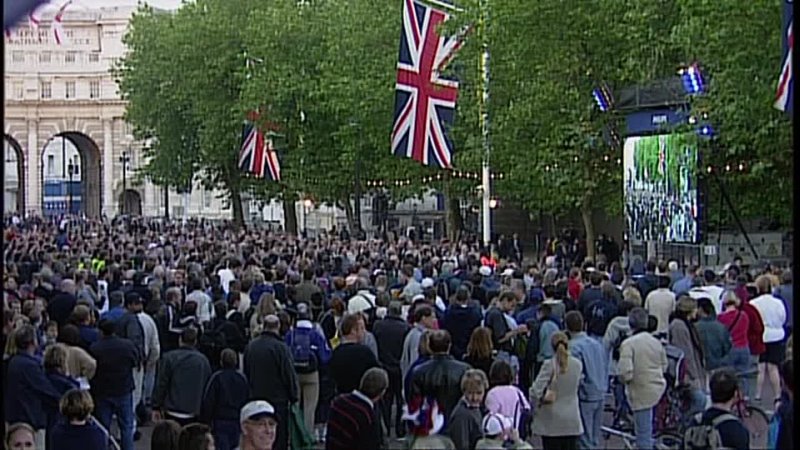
(692, 79)
(601, 99)
(705, 130)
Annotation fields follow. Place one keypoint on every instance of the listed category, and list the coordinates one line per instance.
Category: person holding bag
(558, 418)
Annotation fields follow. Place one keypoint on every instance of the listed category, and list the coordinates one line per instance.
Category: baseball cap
(485, 271)
(508, 272)
(427, 283)
(494, 424)
(358, 303)
(255, 410)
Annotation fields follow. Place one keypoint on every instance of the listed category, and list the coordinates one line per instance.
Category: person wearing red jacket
(574, 285)
(737, 322)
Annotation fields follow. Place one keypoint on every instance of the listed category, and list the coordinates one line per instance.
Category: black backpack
(212, 341)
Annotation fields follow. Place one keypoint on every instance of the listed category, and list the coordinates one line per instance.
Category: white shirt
(244, 302)
(773, 314)
(714, 293)
(152, 346)
(205, 310)
(225, 277)
(660, 303)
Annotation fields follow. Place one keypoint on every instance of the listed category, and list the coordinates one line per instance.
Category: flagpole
(484, 112)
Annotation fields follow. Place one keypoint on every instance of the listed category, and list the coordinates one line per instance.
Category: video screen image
(661, 188)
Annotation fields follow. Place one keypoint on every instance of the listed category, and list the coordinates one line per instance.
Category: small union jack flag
(257, 154)
(58, 27)
(425, 102)
(784, 94)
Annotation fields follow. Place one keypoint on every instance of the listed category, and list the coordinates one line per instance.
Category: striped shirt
(352, 424)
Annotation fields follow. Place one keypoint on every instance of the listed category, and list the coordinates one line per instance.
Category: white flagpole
(486, 186)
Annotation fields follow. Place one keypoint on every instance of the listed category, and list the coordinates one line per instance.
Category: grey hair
(637, 318)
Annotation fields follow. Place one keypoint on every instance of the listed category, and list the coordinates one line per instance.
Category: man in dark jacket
(28, 391)
(182, 378)
(440, 377)
(63, 302)
(390, 333)
(129, 327)
(224, 397)
(460, 319)
(269, 368)
(112, 385)
(353, 424)
(649, 282)
(591, 294)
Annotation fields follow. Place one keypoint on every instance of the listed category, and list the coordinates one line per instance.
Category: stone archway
(131, 202)
(13, 183)
(86, 197)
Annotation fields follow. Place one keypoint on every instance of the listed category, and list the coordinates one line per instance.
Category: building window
(206, 199)
(18, 91)
(94, 89)
(70, 89)
(70, 57)
(46, 89)
(44, 57)
(18, 57)
(51, 165)
(94, 57)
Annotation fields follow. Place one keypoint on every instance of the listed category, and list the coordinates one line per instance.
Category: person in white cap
(496, 430)
(259, 426)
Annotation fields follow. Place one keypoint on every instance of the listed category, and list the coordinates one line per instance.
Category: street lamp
(124, 159)
(71, 170)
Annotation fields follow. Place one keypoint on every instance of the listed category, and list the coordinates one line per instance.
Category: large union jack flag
(257, 154)
(425, 102)
(784, 94)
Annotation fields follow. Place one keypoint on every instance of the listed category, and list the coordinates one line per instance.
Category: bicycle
(664, 441)
(753, 418)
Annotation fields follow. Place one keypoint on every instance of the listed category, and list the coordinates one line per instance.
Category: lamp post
(124, 160)
(71, 171)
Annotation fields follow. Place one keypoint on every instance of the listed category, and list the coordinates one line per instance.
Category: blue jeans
(148, 385)
(592, 418)
(739, 360)
(643, 428)
(226, 434)
(122, 406)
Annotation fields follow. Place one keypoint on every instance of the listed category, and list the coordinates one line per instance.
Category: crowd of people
(230, 338)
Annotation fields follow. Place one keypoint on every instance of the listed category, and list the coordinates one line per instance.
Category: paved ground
(610, 443)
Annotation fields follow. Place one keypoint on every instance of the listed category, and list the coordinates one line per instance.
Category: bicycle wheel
(757, 423)
(668, 440)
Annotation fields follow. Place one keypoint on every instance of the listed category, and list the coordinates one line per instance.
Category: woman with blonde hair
(21, 436)
(737, 323)
(77, 430)
(480, 351)
(632, 295)
(55, 368)
(558, 418)
(267, 305)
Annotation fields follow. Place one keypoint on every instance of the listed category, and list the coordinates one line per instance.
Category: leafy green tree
(739, 51)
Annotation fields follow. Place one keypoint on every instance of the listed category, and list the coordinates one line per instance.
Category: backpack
(774, 429)
(303, 354)
(211, 342)
(676, 365)
(700, 435)
(615, 346)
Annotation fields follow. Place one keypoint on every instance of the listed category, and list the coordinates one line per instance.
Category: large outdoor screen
(661, 188)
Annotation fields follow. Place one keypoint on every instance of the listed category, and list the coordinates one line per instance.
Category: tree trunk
(588, 225)
(289, 214)
(453, 219)
(351, 217)
(236, 205)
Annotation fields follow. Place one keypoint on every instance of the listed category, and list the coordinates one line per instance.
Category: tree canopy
(324, 71)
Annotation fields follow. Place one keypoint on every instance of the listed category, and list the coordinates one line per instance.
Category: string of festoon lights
(731, 167)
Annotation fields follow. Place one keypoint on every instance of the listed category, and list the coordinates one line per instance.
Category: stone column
(109, 202)
(33, 179)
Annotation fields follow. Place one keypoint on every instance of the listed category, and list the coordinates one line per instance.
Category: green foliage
(324, 70)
